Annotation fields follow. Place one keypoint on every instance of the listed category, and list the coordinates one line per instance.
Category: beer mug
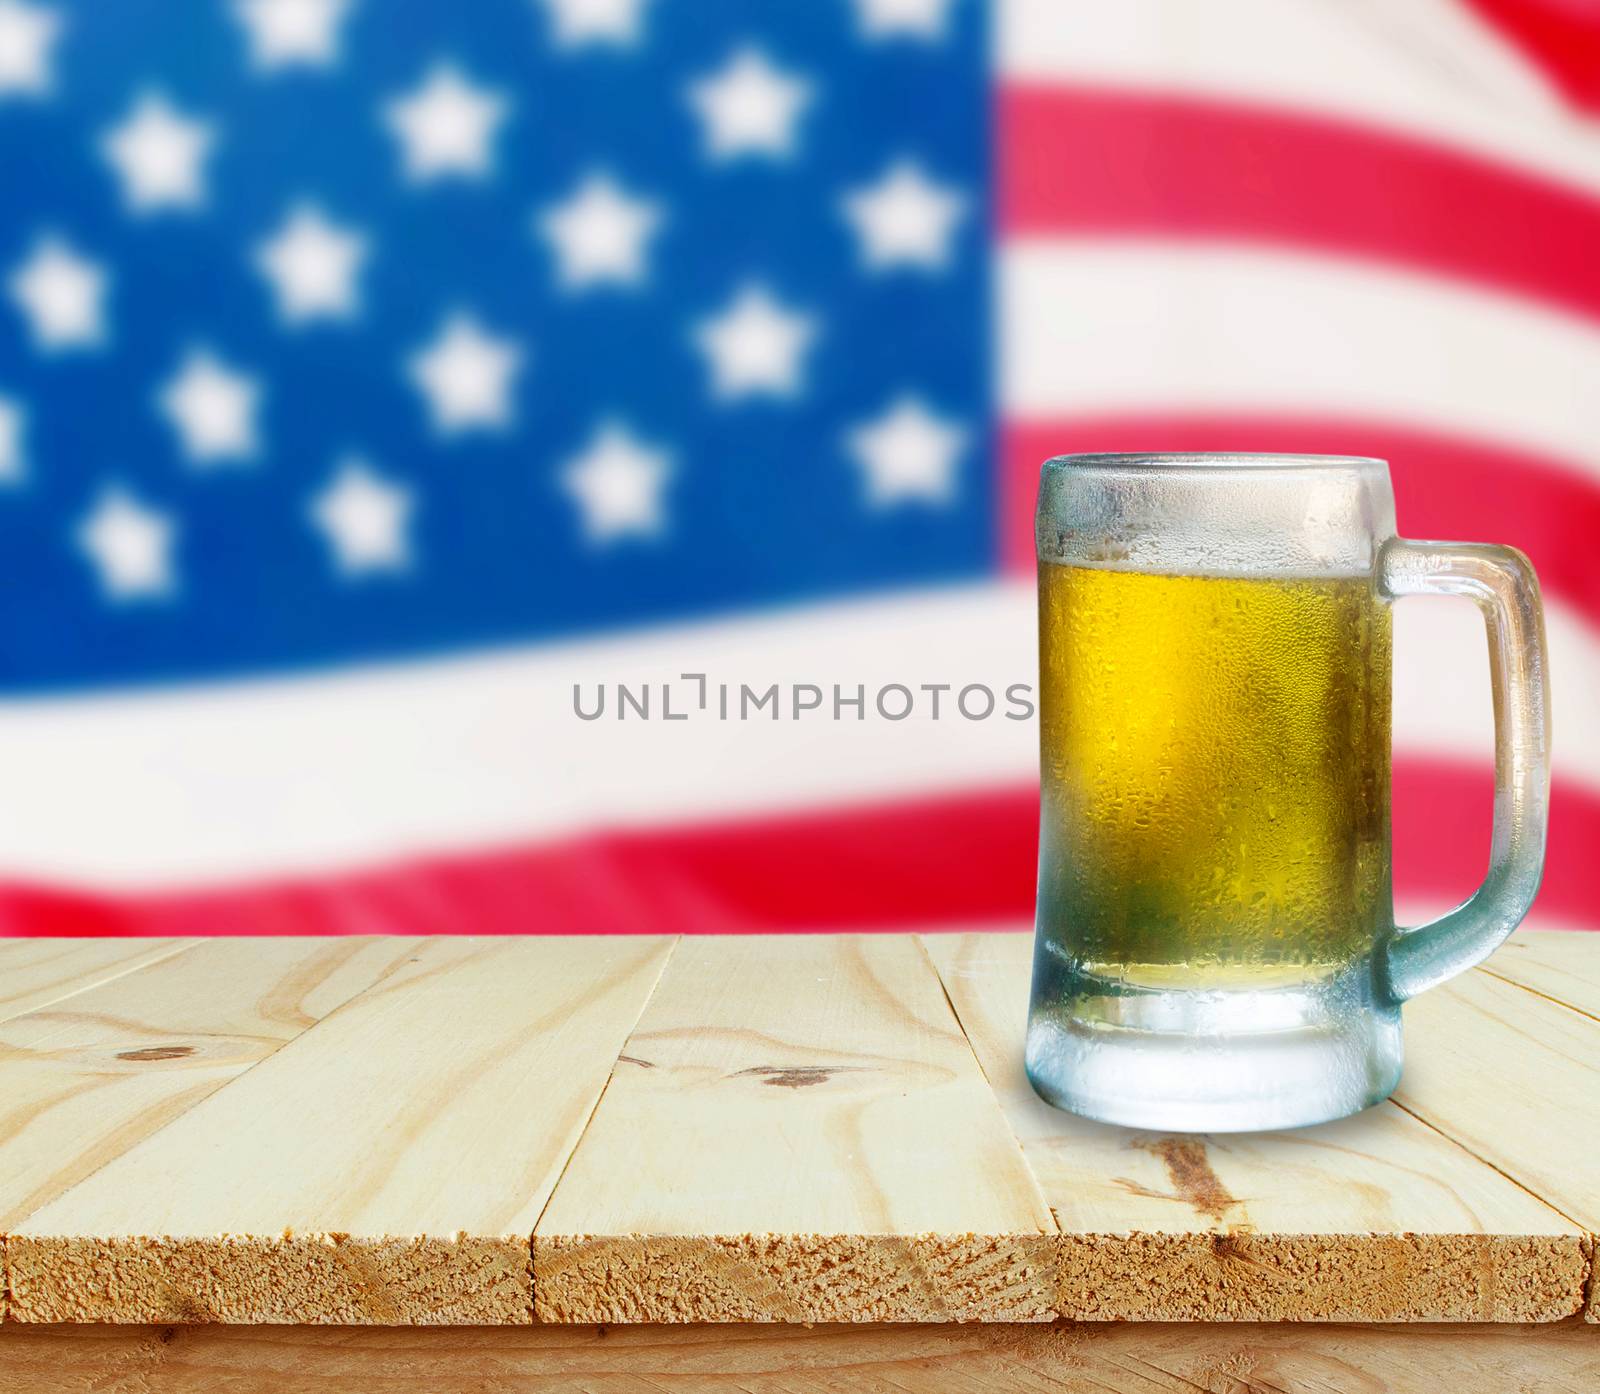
(1215, 947)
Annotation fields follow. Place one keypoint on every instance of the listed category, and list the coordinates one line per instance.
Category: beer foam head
(1216, 515)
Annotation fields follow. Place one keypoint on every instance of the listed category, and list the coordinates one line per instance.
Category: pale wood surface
(36, 972)
(1373, 1218)
(1512, 1076)
(1564, 965)
(91, 1075)
(372, 1130)
(797, 1130)
(1117, 1358)
(387, 1167)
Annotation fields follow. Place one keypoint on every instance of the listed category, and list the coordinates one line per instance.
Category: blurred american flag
(371, 374)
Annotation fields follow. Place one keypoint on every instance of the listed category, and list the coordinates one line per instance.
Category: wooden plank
(1563, 964)
(797, 1131)
(1511, 1075)
(387, 1166)
(36, 972)
(1373, 1218)
(1116, 1358)
(87, 1078)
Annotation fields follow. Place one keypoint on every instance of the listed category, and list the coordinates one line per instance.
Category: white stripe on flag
(1442, 698)
(1090, 326)
(219, 782)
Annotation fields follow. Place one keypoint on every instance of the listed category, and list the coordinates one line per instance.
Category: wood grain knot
(1189, 1171)
(1226, 1246)
(796, 1076)
(173, 1052)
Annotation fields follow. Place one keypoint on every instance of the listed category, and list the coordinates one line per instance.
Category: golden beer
(1215, 948)
(1215, 765)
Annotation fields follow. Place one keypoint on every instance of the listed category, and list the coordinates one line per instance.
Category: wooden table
(571, 1154)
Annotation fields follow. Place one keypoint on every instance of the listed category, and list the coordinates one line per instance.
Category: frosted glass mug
(1215, 947)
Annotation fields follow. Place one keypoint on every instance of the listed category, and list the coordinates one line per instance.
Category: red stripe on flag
(934, 862)
(1443, 810)
(1082, 161)
(964, 858)
(1563, 36)
(1444, 487)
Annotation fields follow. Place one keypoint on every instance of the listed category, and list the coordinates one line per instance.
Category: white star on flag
(446, 127)
(905, 219)
(754, 347)
(363, 518)
(578, 23)
(27, 39)
(157, 153)
(617, 482)
(466, 376)
(312, 265)
(917, 19)
(599, 234)
(129, 545)
(908, 453)
(212, 409)
(62, 295)
(749, 108)
(292, 33)
(13, 421)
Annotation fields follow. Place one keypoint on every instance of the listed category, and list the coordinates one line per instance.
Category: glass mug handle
(1501, 581)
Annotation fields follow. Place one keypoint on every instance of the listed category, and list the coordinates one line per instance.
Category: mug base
(1216, 1061)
